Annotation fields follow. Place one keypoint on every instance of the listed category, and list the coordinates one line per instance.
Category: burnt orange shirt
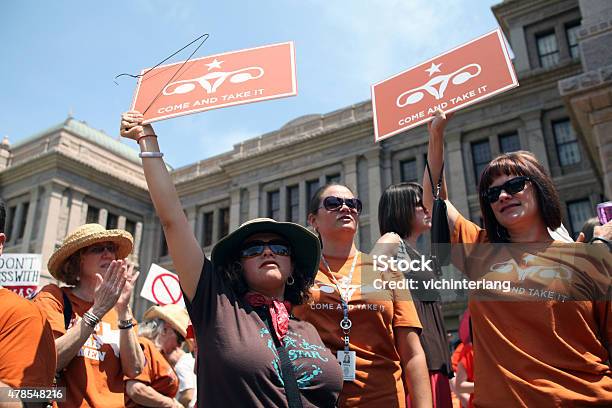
(157, 372)
(374, 314)
(94, 377)
(534, 348)
(27, 346)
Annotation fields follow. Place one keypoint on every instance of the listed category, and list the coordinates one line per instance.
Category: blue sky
(61, 56)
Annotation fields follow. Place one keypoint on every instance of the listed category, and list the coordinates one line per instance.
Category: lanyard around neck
(345, 297)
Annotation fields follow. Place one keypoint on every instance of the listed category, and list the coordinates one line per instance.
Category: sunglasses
(256, 248)
(100, 248)
(512, 186)
(333, 203)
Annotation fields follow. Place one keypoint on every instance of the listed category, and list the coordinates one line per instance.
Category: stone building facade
(71, 173)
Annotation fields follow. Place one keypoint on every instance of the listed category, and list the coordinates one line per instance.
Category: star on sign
(434, 68)
(214, 64)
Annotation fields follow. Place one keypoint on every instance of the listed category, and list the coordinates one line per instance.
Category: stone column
(138, 240)
(103, 217)
(192, 215)
(84, 208)
(234, 221)
(121, 222)
(374, 173)
(350, 172)
(454, 171)
(282, 214)
(75, 214)
(29, 227)
(303, 203)
(50, 214)
(535, 137)
(254, 201)
(215, 221)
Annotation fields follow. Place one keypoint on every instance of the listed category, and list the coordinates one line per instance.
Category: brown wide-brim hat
(305, 246)
(175, 315)
(84, 236)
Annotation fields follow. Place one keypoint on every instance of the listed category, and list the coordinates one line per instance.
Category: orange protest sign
(462, 76)
(231, 78)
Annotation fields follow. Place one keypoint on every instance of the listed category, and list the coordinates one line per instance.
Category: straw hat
(300, 239)
(175, 315)
(84, 236)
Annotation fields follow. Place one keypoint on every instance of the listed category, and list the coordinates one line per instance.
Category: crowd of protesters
(283, 316)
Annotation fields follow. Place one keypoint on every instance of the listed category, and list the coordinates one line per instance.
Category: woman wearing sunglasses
(401, 212)
(540, 344)
(91, 318)
(251, 351)
(375, 338)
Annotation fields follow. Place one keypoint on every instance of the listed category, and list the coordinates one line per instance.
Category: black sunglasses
(100, 248)
(512, 186)
(333, 203)
(256, 248)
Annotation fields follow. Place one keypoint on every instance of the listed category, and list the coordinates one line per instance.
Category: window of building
(311, 187)
(163, 246)
(112, 221)
(22, 222)
(93, 214)
(207, 229)
(332, 178)
(10, 215)
(579, 212)
(509, 143)
(567, 143)
(293, 203)
(408, 170)
(274, 204)
(571, 31)
(130, 226)
(481, 154)
(548, 49)
(223, 222)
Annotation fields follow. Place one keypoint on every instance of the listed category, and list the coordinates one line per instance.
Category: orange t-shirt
(94, 377)
(374, 314)
(533, 348)
(27, 346)
(157, 372)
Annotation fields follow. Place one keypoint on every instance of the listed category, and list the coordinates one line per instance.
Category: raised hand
(131, 126)
(126, 294)
(438, 124)
(109, 287)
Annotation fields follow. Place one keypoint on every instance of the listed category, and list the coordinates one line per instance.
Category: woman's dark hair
(297, 293)
(396, 208)
(589, 227)
(520, 163)
(70, 270)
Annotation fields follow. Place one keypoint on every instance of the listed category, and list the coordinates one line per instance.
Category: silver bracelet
(90, 319)
(147, 155)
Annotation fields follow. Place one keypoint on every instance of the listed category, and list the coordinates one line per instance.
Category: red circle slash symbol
(166, 289)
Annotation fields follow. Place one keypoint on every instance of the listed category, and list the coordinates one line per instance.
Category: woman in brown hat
(252, 352)
(91, 318)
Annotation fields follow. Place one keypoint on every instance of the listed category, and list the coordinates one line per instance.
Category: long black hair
(397, 206)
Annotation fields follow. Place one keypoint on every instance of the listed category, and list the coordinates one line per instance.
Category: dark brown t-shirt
(238, 364)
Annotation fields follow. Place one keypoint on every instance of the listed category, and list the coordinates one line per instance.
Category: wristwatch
(602, 239)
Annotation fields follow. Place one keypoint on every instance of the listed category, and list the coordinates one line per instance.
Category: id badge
(347, 363)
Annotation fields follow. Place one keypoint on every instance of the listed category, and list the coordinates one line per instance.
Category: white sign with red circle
(162, 287)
